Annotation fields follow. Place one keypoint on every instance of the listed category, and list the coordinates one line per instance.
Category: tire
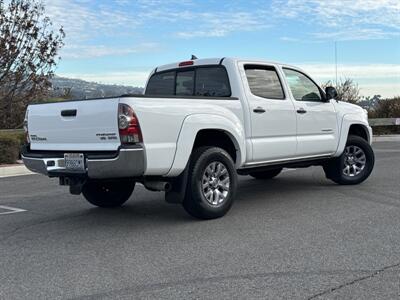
(266, 174)
(354, 165)
(211, 185)
(108, 194)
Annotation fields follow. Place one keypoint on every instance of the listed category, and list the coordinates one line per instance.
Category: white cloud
(84, 19)
(345, 19)
(326, 71)
(373, 79)
(218, 24)
(90, 51)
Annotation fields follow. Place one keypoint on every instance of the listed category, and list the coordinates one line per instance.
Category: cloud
(344, 19)
(373, 79)
(223, 23)
(89, 51)
(327, 71)
(84, 19)
(88, 21)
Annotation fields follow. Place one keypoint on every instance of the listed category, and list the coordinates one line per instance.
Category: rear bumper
(127, 162)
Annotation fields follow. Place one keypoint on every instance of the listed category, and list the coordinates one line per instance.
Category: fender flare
(192, 124)
(347, 121)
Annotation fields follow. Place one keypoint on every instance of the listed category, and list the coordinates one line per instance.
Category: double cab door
(289, 115)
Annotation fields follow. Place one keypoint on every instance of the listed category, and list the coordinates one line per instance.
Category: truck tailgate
(90, 125)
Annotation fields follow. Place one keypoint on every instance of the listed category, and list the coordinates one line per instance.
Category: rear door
(73, 126)
(317, 130)
(273, 119)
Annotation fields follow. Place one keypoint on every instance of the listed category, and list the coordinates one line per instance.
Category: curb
(16, 170)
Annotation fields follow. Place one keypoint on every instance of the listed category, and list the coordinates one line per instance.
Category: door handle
(259, 110)
(301, 111)
(68, 113)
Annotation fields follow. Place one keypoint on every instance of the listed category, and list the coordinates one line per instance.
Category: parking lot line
(10, 210)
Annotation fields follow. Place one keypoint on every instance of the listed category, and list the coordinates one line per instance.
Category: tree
(347, 90)
(29, 47)
(388, 108)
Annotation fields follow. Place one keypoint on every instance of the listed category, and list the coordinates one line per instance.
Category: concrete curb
(16, 170)
(386, 138)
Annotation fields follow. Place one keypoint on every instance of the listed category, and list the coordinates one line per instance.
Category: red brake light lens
(186, 63)
(128, 124)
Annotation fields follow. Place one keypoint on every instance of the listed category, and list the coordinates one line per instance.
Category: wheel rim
(215, 183)
(354, 161)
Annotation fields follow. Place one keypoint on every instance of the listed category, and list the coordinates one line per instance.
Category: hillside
(79, 89)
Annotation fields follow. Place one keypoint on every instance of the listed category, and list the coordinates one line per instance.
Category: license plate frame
(74, 162)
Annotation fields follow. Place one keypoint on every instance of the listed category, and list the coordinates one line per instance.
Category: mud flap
(178, 191)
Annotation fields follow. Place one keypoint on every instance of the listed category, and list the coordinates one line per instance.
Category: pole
(336, 67)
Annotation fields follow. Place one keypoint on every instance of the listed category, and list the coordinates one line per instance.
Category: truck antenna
(193, 57)
(336, 64)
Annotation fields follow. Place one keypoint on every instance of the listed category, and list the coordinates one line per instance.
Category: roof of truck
(211, 61)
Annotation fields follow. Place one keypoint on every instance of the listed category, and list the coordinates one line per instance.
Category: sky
(121, 41)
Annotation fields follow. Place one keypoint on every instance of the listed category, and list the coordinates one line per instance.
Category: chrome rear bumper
(129, 162)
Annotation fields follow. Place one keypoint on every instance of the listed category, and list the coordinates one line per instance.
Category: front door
(272, 114)
(317, 130)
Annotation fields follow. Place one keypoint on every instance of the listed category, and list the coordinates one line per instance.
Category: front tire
(269, 174)
(108, 194)
(212, 183)
(354, 165)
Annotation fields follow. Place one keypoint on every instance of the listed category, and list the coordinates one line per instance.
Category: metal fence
(384, 122)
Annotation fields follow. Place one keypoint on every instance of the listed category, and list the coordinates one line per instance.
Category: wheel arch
(353, 124)
(209, 130)
(359, 130)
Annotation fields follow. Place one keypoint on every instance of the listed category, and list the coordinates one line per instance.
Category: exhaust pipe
(157, 186)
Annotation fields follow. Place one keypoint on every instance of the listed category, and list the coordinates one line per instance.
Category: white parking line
(11, 210)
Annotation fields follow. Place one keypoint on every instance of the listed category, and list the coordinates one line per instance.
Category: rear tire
(354, 165)
(266, 174)
(212, 183)
(108, 194)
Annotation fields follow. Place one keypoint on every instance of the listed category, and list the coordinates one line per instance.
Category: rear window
(264, 82)
(161, 84)
(212, 82)
(184, 83)
(201, 81)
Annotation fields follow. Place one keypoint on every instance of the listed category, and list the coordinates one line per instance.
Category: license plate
(74, 162)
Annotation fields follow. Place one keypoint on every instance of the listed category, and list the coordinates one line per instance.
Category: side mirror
(330, 92)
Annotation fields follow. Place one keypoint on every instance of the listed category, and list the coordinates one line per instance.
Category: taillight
(26, 127)
(128, 124)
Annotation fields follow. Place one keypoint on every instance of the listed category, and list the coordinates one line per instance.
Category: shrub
(10, 146)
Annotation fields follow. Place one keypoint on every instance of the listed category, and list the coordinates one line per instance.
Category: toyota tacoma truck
(197, 126)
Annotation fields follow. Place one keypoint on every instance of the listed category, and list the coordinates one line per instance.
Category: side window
(212, 82)
(161, 84)
(302, 87)
(184, 83)
(264, 82)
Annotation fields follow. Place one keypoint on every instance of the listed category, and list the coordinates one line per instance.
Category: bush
(10, 146)
(382, 130)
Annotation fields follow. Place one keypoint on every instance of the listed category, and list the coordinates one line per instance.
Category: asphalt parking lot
(297, 236)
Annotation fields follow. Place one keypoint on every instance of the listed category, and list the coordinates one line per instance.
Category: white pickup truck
(198, 125)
